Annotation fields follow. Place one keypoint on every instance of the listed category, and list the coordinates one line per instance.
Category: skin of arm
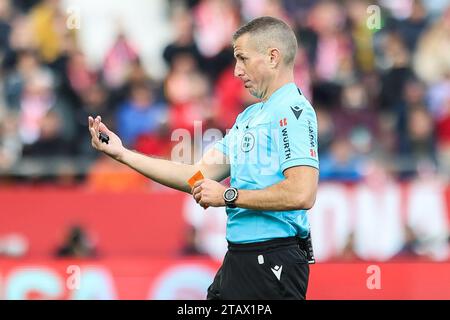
(175, 175)
(296, 192)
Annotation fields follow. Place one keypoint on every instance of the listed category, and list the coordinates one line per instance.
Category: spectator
(35, 101)
(411, 28)
(333, 45)
(190, 248)
(94, 100)
(231, 99)
(140, 114)
(421, 143)
(26, 67)
(50, 142)
(79, 75)
(77, 244)
(441, 95)
(361, 35)
(413, 119)
(398, 71)
(48, 26)
(431, 63)
(135, 76)
(214, 37)
(184, 43)
(187, 91)
(10, 142)
(341, 163)
(117, 61)
(335, 67)
(5, 27)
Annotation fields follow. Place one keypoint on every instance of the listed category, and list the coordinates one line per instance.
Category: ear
(275, 57)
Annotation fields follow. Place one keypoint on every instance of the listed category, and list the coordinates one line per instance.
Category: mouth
(246, 83)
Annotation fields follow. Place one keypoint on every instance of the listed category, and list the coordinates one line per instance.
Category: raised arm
(213, 165)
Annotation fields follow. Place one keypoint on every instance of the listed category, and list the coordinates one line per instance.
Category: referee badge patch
(248, 142)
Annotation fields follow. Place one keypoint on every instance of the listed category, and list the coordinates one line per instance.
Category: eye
(241, 58)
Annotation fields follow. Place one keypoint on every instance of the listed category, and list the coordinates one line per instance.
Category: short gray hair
(271, 32)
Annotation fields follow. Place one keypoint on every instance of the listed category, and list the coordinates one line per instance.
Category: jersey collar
(288, 88)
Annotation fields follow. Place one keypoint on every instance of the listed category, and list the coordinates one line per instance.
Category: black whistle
(103, 137)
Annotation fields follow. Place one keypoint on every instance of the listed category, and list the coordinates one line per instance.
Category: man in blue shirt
(267, 139)
(271, 156)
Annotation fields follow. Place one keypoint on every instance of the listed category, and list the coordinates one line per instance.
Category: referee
(270, 154)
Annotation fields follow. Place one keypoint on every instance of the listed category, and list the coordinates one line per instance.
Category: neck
(282, 78)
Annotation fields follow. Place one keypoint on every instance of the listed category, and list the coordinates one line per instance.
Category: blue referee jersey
(266, 139)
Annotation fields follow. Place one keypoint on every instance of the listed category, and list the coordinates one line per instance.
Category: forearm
(169, 173)
(283, 196)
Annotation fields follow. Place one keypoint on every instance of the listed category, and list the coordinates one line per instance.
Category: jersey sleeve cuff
(300, 162)
(221, 147)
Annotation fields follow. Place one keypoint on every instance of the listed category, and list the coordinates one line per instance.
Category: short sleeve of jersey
(223, 145)
(296, 142)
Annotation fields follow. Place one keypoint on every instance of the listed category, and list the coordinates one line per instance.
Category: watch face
(230, 194)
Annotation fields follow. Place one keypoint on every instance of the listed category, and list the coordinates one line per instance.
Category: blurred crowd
(381, 91)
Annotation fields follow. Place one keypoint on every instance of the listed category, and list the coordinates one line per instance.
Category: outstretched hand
(114, 147)
(208, 193)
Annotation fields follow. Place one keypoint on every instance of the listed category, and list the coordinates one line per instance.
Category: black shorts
(270, 270)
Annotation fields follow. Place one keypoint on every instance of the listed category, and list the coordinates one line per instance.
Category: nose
(238, 71)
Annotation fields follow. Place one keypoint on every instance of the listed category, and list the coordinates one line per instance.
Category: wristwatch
(230, 195)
